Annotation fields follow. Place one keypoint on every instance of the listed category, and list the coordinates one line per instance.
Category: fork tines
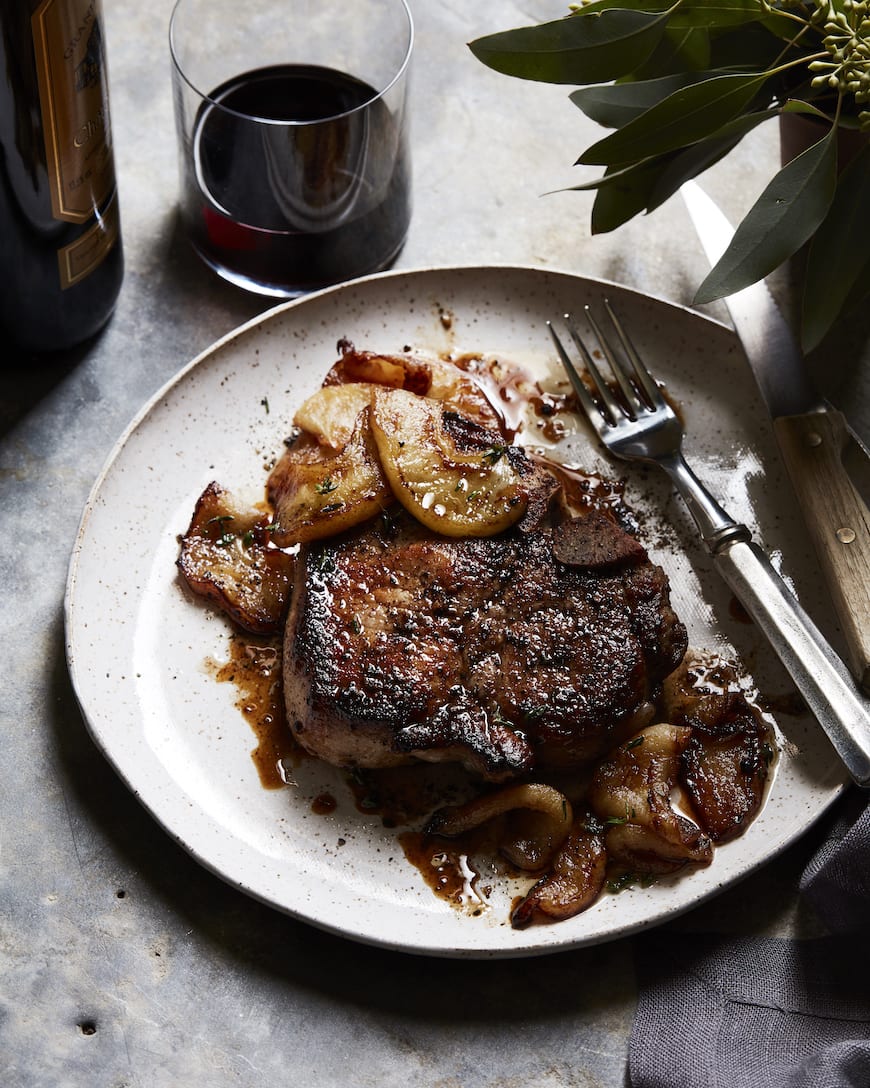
(636, 391)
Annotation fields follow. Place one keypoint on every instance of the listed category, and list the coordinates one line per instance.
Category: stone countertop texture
(122, 961)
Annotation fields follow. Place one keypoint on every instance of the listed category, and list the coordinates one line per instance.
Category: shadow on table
(26, 377)
(171, 307)
(573, 1008)
(265, 942)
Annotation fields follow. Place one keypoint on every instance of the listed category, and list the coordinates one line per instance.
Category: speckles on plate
(157, 715)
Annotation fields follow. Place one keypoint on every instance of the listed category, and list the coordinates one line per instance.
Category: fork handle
(818, 673)
(716, 527)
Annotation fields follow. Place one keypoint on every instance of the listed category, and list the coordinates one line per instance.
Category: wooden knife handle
(837, 519)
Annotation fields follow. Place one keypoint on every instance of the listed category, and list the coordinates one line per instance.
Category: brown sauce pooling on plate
(511, 390)
(584, 490)
(455, 870)
(464, 871)
(323, 804)
(254, 669)
(446, 869)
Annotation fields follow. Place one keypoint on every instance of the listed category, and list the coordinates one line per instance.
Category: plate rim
(69, 603)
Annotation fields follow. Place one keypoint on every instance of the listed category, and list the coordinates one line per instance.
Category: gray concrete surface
(123, 962)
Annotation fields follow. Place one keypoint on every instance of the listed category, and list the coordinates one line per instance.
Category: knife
(813, 438)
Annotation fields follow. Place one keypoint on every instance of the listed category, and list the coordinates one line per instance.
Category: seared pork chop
(404, 645)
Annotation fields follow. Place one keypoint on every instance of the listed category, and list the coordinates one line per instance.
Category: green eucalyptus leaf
(652, 6)
(691, 13)
(745, 48)
(690, 48)
(683, 118)
(859, 294)
(615, 104)
(675, 168)
(780, 26)
(837, 258)
(579, 49)
(714, 14)
(782, 219)
(702, 155)
(596, 183)
(625, 194)
(797, 105)
(610, 176)
(678, 52)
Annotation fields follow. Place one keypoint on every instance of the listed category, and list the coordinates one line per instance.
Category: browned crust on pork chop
(403, 645)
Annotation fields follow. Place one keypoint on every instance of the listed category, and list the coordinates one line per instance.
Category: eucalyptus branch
(845, 66)
(784, 13)
(671, 118)
(796, 63)
(795, 41)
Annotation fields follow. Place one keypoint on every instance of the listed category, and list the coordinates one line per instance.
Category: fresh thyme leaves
(634, 743)
(326, 485)
(592, 825)
(623, 880)
(626, 880)
(265, 403)
(322, 562)
(614, 821)
(494, 454)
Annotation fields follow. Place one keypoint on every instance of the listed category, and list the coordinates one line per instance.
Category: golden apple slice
(475, 490)
(331, 413)
(317, 492)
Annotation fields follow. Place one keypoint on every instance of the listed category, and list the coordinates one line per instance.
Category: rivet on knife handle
(837, 520)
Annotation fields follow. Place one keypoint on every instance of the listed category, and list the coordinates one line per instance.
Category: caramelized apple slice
(529, 845)
(369, 366)
(226, 558)
(318, 492)
(332, 412)
(426, 375)
(572, 885)
(456, 491)
(725, 767)
(631, 792)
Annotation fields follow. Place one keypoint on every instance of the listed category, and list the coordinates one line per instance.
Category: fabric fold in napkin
(762, 1012)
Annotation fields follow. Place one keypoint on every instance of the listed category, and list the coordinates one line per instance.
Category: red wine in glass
(298, 178)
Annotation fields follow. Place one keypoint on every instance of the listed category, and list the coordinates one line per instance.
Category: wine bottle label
(67, 40)
(83, 255)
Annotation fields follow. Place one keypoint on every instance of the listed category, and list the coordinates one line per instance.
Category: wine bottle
(61, 259)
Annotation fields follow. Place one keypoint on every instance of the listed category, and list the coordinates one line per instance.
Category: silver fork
(635, 422)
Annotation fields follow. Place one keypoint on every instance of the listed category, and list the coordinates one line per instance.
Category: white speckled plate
(137, 644)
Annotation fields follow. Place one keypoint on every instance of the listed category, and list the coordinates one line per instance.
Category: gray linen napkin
(720, 1012)
(836, 882)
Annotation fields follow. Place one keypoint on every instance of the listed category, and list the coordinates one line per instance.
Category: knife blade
(812, 436)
